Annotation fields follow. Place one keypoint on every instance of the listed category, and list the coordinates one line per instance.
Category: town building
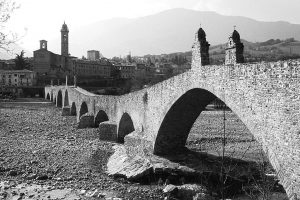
(7, 64)
(93, 55)
(87, 68)
(17, 78)
(127, 70)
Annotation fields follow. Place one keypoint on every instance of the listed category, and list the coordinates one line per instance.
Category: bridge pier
(135, 144)
(108, 131)
(66, 111)
(86, 121)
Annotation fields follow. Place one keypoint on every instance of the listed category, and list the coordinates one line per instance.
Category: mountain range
(168, 31)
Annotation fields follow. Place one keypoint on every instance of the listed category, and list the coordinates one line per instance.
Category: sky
(42, 19)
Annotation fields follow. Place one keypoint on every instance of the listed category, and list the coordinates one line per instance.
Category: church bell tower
(64, 40)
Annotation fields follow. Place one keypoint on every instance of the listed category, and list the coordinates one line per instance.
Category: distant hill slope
(169, 31)
(270, 50)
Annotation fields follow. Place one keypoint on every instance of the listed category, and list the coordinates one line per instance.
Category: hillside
(270, 50)
(169, 31)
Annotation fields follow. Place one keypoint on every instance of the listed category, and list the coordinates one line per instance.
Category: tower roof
(64, 27)
(236, 36)
(201, 34)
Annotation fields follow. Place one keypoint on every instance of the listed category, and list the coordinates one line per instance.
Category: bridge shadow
(210, 170)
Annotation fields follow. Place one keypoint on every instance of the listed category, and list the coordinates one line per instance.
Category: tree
(7, 38)
(21, 62)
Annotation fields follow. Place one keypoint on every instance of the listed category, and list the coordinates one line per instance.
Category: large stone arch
(51, 96)
(83, 109)
(59, 99)
(178, 121)
(66, 99)
(73, 111)
(125, 127)
(100, 117)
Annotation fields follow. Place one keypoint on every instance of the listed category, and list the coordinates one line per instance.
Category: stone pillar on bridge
(234, 52)
(200, 49)
(66, 80)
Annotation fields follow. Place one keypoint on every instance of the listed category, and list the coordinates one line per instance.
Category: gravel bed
(39, 146)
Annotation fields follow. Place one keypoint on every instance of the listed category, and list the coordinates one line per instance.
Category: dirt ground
(38, 146)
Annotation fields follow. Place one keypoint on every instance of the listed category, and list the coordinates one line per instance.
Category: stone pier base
(108, 131)
(135, 144)
(86, 121)
(66, 111)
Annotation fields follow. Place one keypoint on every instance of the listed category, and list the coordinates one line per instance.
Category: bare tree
(7, 37)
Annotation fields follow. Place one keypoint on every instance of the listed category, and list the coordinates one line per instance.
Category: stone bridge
(157, 120)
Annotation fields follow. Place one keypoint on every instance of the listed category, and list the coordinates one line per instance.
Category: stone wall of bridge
(265, 96)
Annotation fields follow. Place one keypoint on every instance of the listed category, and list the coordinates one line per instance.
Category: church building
(49, 65)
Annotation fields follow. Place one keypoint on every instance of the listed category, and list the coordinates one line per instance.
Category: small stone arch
(51, 96)
(100, 117)
(66, 100)
(59, 99)
(73, 111)
(83, 109)
(125, 127)
(48, 96)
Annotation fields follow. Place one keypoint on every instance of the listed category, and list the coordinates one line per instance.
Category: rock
(31, 176)
(133, 168)
(202, 196)
(170, 188)
(13, 173)
(2, 169)
(82, 191)
(188, 191)
(95, 193)
(42, 177)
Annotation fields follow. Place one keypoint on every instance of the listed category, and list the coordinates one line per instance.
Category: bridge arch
(66, 100)
(100, 117)
(48, 96)
(51, 96)
(73, 109)
(125, 127)
(177, 123)
(83, 109)
(59, 99)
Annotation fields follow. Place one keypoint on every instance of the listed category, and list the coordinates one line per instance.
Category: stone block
(86, 121)
(66, 111)
(108, 131)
